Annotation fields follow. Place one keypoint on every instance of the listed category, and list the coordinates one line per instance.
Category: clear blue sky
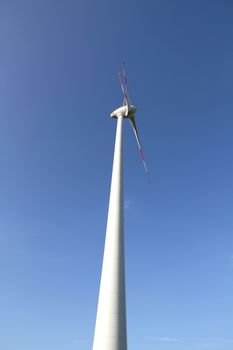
(58, 85)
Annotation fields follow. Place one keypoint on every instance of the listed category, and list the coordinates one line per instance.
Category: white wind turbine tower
(110, 328)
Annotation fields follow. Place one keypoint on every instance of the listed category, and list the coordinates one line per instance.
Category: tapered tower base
(110, 329)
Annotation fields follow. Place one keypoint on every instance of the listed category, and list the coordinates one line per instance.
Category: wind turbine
(110, 329)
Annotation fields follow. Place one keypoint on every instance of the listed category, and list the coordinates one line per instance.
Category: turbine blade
(125, 84)
(124, 75)
(125, 100)
(121, 83)
(133, 124)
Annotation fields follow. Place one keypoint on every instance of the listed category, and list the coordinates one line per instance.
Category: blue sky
(58, 66)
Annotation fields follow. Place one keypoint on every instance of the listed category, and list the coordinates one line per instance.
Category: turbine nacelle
(124, 111)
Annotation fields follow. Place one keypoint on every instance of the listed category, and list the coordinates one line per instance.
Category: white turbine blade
(125, 84)
(133, 124)
(125, 100)
(122, 86)
(124, 76)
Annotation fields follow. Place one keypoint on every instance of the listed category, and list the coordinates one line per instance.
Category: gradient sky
(58, 85)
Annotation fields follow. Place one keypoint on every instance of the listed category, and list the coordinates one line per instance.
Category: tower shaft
(110, 329)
